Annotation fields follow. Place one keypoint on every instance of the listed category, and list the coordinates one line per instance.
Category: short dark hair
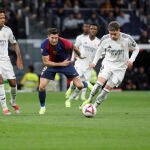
(113, 26)
(52, 31)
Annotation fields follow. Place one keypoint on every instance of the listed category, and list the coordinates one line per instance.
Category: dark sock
(42, 97)
(85, 84)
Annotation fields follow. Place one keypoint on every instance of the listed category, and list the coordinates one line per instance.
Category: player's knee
(80, 86)
(41, 88)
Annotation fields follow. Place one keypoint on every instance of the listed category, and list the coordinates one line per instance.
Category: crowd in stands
(69, 15)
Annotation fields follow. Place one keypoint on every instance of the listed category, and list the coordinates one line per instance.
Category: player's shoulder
(7, 29)
(105, 38)
(127, 36)
(64, 41)
(44, 42)
(81, 36)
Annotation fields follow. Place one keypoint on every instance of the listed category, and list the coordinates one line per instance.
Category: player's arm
(54, 64)
(13, 41)
(76, 50)
(98, 55)
(135, 48)
(19, 59)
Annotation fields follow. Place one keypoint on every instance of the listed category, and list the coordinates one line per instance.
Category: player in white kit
(78, 44)
(6, 68)
(116, 46)
(88, 48)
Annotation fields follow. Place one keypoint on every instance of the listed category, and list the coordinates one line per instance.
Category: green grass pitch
(122, 123)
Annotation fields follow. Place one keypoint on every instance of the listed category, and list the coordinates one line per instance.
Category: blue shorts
(49, 72)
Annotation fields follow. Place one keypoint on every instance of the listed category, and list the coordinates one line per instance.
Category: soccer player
(78, 44)
(6, 68)
(116, 46)
(56, 55)
(88, 48)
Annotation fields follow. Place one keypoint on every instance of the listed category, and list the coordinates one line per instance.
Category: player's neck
(91, 37)
(1, 27)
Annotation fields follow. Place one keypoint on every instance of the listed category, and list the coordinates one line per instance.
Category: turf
(122, 123)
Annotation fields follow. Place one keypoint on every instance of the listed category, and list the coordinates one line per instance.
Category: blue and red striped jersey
(60, 52)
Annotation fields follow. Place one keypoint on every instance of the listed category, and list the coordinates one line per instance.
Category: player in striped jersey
(116, 46)
(6, 68)
(56, 55)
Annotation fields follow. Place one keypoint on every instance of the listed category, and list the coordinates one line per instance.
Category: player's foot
(42, 110)
(6, 112)
(68, 93)
(83, 104)
(16, 107)
(77, 97)
(83, 98)
(67, 103)
(90, 86)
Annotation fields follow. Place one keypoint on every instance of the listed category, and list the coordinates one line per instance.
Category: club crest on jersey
(3, 35)
(121, 45)
(54, 52)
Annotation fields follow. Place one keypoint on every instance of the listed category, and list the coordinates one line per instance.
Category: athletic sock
(95, 90)
(74, 94)
(3, 97)
(72, 87)
(83, 93)
(101, 97)
(13, 93)
(42, 97)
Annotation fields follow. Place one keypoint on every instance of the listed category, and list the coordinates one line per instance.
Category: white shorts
(6, 69)
(85, 74)
(114, 77)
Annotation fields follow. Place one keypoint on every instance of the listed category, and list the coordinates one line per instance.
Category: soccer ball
(89, 110)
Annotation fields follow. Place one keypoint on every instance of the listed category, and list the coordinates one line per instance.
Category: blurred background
(29, 20)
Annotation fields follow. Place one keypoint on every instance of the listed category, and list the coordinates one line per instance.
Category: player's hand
(91, 65)
(130, 64)
(19, 64)
(82, 57)
(65, 62)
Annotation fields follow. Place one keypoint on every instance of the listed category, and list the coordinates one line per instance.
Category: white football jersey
(117, 52)
(88, 49)
(6, 35)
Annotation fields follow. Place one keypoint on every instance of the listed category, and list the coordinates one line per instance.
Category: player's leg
(114, 81)
(83, 94)
(70, 89)
(8, 73)
(3, 98)
(79, 85)
(102, 78)
(42, 94)
(103, 95)
(13, 93)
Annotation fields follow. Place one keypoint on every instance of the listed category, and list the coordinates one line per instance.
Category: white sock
(74, 94)
(72, 87)
(83, 93)
(101, 97)
(95, 90)
(3, 97)
(13, 93)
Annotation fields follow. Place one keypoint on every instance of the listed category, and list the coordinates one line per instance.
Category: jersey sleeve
(77, 42)
(133, 46)
(43, 49)
(11, 38)
(68, 45)
(99, 53)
